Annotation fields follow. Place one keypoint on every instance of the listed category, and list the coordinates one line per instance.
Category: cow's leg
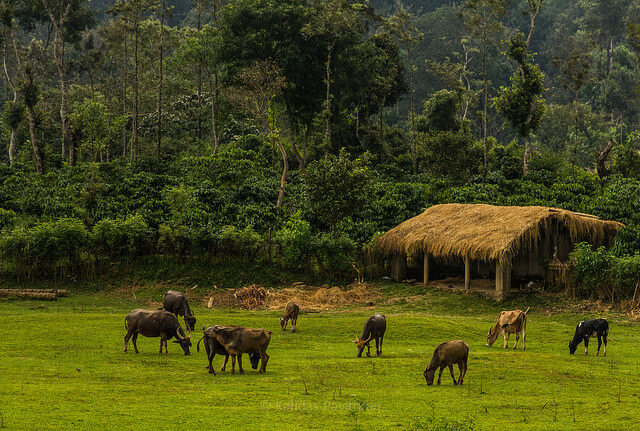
(440, 375)
(134, 340)
(599, 344)
(517, 339)
(293, 324)
(240, 370)
(264, 358)
(377, 347)
(524, 336)
(506, 339)
(586, 345)
(463, 370)
(381, 338)
(224, 364)
(452, 375)
(604, 338)
(211, 355)
(368, 350)
(126, 340)
(233, 364)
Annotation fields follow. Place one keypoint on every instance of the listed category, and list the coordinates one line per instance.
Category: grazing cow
(509, 322)
(448, 354)
(176, 303)
(290, 313)
(213, 347)
(374, 328)
(237, 340)
(590, 329)
(155, 323)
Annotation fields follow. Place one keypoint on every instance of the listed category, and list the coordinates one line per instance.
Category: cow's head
(254, 358)
(361, 344)
(429, 373)
(185, 342)
(283, 323)
(492, 336)
(190, 321)
(572, 347)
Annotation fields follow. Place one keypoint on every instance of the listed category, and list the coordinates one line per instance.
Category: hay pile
(251, 297)
(324, 297)
(309, 298)
(488, 232)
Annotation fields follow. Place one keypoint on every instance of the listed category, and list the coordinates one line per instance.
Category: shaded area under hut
(512, 244)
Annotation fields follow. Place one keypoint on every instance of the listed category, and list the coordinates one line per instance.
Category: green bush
(295, 240)
(243, 243)
(119, 239)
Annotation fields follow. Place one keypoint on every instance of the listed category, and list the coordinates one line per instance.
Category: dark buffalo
(290, 313)
(448, 354)
(213, 347)
(176, 303)
(374, 328)
(589, 329)
(237, 340)
(155, 323)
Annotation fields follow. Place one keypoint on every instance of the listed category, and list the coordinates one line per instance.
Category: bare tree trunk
(159, 144)
(199, 86)
(134, 142)
(12, 141)
(527, 156)
(485, 150)
(285, 171)
(59, 56)
(412, 113)
(214, 101)
(124, 98)
(601, 159)
(327, 103)
(34, 139)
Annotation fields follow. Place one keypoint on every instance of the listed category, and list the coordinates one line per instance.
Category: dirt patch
(307, 297)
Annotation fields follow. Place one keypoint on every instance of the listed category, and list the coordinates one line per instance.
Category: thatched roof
(488, 232)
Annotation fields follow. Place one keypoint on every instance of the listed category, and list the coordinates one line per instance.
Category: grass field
(62, 367)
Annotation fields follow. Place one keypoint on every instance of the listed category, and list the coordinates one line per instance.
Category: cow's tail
(525, 313)
(198, 346)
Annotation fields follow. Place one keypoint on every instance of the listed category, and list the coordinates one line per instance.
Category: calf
(590, 329)
(374, 327)
(213, 347)
(155, 323)
(447, 355)
(176, 303)
(509, 322)
(290, 313)
(237, 340)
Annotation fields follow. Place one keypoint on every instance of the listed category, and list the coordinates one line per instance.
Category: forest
(293, 132)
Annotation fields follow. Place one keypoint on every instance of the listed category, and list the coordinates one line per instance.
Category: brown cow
(448, 354)
(237, 340)
(509, 322)
(290, 313)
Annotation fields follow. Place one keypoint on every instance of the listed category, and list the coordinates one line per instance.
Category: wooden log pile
(43, 294)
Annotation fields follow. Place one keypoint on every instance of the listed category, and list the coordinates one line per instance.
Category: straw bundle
(488, 232)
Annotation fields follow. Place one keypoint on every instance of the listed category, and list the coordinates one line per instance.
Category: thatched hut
(513, 244)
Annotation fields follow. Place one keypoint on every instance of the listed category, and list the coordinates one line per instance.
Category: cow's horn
(357, 339)
(368, 339)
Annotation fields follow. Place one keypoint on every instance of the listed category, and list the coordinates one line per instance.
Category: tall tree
(482, 19)
(261, 85)
(402, 25)
(522, 103)
(68, 18)
(13, 112)
(132, 13)
(333, 21)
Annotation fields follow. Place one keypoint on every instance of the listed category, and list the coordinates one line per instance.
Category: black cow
(374, 328)
(176, 303)
(447, 355)
(589, 329)
(213, 347)
(155, 323)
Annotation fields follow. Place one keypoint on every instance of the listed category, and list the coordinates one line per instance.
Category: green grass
(62, 367)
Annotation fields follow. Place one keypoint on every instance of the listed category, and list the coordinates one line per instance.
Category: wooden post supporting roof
(467, 273)
(398, 267)
(503, 280)
(425, 271)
